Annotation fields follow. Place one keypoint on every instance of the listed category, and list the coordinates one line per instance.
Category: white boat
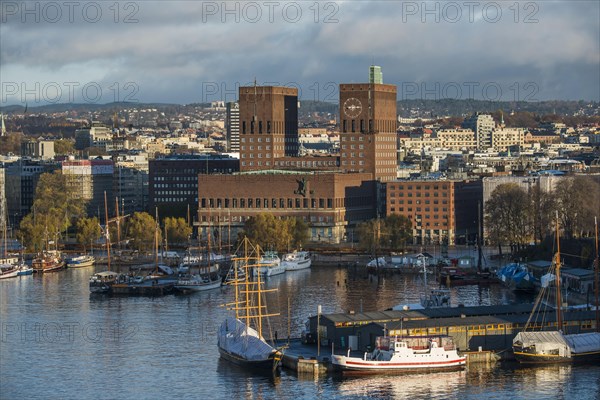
(197, 283)
(296, 260)
(403, 355)
(268, 265)
(8, 271)
(85, 260)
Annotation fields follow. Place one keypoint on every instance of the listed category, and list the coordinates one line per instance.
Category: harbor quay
(473, 329)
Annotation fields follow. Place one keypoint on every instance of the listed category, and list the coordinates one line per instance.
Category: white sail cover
(545, 342)
(237, 338)
(584, 342)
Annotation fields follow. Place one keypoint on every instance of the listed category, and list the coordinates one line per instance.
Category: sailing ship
(556, 346)
(158, 283)
(48, 261)
(296, 260)
(207, 277)
(409, 354)
(238, 341)
(102, 282)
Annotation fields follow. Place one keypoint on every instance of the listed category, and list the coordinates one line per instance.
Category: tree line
(516, 217)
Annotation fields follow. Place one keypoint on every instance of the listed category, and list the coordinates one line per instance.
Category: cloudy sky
(193, 51)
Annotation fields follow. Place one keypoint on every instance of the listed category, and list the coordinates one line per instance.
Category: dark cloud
(173, 51)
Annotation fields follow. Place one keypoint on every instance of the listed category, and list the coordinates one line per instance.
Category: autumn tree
(88, 231)
(542, 206)
(392, 232)
(397, 229)
(11, 143)
(507, 216)
(55, 208)
(141, 229)
(64, 147)
(578, 201)
(274, 233)
(177, 230)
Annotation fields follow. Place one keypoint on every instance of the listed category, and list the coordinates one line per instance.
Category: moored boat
(403, 355)
(102, 282)
(197, 283)
(516, 276)
(48, 261)
(268, 265)
(556, 346)
(82, 261)
(296, 260)
(8, 271)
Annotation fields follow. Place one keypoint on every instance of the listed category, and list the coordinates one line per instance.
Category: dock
(306, 360)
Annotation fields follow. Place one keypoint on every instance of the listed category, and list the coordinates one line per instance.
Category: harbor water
(60, 342)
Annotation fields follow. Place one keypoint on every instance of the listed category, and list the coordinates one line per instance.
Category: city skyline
(201, 52)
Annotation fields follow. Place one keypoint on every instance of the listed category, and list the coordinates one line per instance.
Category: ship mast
(106, 233)
(156, 229)
(597, 265)
(559, 321)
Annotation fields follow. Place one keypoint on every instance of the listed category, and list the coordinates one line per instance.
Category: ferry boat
(403, 355)
(238, 341)
(268, 265)
(296, 260)
(48, 261)
(82, 261)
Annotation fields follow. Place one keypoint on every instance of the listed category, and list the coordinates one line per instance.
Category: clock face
(352, 107)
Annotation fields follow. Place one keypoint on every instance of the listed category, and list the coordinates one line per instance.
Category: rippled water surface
(59, 342)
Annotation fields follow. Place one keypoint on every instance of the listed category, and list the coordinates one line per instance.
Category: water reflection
(441, 385)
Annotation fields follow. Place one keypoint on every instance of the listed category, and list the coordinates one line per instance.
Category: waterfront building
(173, 181)
(368, 130)
(440, 210)
(491, 327)
(268, 118)
(331, 203)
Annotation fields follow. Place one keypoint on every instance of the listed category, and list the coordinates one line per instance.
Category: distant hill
(406, 108)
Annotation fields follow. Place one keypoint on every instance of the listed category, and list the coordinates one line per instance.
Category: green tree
(273, 233)
(507, 216)
(178, 231)
(369, 235)
(88, 230)
(141, 229)
(397, 229)
(300, 234)
(55, 208)
(64, 147)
